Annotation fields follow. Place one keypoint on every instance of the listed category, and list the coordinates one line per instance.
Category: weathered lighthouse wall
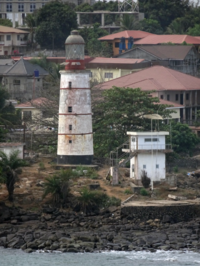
(75, 137)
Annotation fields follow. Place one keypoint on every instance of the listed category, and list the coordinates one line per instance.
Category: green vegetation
(175, 169)
(58, 186)
(54, 22)
(5, 22)
(86, 171)
(144, 192)
(41, 166)
(8, 115)
(120, 110)
(9, 166)
(89, 200)
(128, 191)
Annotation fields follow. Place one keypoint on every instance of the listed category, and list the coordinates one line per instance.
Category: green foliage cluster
(89, 199)
(128, 191)
(121, 110)
(85, 171)
(58, 185)
(182, 137)
(93, 46)
(144, 192)
(54, 22)
(8, 114)
(9, 169)
(5, 22)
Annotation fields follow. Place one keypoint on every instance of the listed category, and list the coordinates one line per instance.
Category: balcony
(23, 42)
(142, 148)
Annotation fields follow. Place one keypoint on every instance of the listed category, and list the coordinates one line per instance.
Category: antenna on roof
(128, 5)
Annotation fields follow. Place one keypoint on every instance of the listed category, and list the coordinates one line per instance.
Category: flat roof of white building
(149, 133)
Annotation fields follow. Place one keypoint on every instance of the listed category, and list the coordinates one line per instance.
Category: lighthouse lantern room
(75, 137)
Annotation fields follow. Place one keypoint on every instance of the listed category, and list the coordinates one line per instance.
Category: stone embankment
(57, 230)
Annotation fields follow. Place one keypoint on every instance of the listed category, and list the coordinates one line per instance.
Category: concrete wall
(164, 213)
(141, 144)
(28, 87)
(9, 150)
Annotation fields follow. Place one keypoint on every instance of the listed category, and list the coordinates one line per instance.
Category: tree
(93, 46)
(10, 169)
(128, 22)
(121, 110)
(150, 25)
(183, 139)
(55, 21)
(30, 21)
(176, 27)
(195, 31)
(8, 115)
(164, 11)
(5, 22)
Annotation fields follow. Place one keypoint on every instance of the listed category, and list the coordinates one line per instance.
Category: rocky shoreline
(59, 230)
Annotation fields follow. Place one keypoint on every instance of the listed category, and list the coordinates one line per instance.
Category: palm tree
(176, 27)
(128, 22)
(31, 23)
(87, 199)
(10, 170)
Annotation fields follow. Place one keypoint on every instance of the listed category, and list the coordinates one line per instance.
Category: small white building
(9, 147)
(148, 152)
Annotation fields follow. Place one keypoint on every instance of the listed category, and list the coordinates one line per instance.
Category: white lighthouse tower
(75, 137)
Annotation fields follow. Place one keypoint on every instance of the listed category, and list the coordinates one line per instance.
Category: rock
(28, 250)
(74, 250)
(154, 238)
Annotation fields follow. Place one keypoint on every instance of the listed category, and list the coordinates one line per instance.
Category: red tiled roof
(136, 34)
(156, 78)
(105, 60)
(177, 39)
(32, 103)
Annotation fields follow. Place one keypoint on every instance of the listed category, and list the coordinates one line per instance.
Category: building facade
(148, 151)
(24, 81)
(12, 41)
(16, 11)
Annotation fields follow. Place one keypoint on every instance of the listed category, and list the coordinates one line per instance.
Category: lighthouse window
(70, 141)
(70, 127)
(144, 166)
(70, 84)
(70, 109)
(157, 166)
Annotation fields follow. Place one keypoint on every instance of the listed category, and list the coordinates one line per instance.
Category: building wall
(28, 88)
(98, 74)
(138, 54)
(141, 144)
(9, 150)
(148, 163)
(29, 6)
(16, 42)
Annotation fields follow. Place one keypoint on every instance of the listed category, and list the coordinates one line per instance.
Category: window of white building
(8, 37)
(157, 166)
(144, 166)
(32, 7)
(9, 7)
(151, 140)
(20, 7)
(16, 82)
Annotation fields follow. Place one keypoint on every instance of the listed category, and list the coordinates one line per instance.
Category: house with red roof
(170, 38)
(115, 38)
(103, 69)
(168, 85)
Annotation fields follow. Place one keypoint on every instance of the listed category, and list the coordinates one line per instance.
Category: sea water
(11, 257)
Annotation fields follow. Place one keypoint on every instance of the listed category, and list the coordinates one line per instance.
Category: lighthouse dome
(74, 46)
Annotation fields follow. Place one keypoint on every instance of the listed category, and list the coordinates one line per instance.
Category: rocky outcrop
(53, 229)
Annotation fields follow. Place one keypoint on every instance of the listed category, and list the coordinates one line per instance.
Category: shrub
(41, 165)
(143, 192)
(58, 186)
(127, 191)
(175, 169)
(145, 179)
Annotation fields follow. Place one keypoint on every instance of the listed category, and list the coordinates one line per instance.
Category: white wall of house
(9, 150)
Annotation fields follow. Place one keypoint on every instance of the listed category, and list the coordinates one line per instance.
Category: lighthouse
(75, 137)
